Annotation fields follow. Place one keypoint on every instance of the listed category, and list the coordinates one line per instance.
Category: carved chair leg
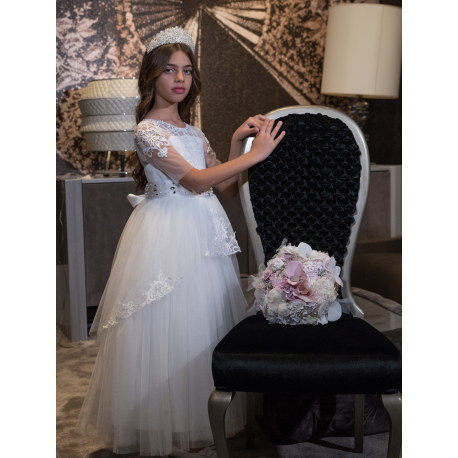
(359, 422)
(393, 404)
(218, 402)
(250, 420)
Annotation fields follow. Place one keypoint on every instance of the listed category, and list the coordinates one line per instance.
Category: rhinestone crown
(171, 35)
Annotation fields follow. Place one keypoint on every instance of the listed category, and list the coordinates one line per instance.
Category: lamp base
(358, 110)
(111, 173)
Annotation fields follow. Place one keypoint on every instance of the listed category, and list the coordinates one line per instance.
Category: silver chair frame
(219, 401)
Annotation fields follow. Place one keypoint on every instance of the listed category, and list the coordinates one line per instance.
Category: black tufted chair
(312, 188)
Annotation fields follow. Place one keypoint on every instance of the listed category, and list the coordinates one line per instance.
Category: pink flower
(267, 273)
(292, 289)
(289, 292)
(295, 272)
(278, 281)
(302, 287)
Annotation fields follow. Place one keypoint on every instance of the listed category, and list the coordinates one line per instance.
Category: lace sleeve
(153, 147)
(210, 156)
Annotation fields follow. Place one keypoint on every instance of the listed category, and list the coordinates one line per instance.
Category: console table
(91, 214)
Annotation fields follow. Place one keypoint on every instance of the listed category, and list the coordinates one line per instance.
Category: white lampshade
(363, 51)
(108, 109)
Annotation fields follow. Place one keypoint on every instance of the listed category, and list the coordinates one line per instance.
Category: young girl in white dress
(174, 289)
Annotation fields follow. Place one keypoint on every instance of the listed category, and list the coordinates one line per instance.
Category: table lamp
(362, 58)
(108, 109)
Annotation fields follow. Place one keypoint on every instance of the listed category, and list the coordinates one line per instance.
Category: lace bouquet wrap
(299, 286)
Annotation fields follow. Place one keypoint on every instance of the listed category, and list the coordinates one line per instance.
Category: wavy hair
(153, 65)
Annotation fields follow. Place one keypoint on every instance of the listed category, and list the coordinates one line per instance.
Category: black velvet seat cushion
(347, 356)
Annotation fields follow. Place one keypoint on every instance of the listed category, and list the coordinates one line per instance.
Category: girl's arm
(263, 145)
(230, 187)
(250, 127)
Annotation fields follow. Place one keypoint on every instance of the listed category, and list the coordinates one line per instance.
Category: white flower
(283, 309)
(277, 264)
(323, 290)
(274, 297)
(256, 282)
(318, 256)
(303, 249)
(335, 311)
(289, 249)
(323, 319)
(337, 275)
(259, 296)
(334, 270)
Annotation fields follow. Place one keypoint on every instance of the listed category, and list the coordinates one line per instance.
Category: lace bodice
(172, 150)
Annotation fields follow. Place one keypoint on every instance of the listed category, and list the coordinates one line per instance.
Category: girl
(174, 289)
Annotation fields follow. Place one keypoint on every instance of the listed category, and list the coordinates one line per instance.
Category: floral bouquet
(299, 286)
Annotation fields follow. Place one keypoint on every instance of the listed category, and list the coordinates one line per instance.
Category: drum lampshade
(363, 51)
(108, 109)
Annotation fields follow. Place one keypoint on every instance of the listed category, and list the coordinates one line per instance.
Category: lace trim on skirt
(223, 244)
(158, 289)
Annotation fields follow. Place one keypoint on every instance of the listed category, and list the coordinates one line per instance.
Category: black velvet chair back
(307, 189)
(310, 187)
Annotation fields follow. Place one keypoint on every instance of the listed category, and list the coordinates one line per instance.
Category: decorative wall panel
(255, 56)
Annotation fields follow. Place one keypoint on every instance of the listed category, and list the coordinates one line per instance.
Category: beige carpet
(74, 368)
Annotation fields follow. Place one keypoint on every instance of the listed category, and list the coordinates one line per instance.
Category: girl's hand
(250, 127)
(265, 141)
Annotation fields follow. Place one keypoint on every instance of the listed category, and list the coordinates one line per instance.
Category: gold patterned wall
(255, 56)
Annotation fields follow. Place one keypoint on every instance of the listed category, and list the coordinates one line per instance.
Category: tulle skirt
(173, 293)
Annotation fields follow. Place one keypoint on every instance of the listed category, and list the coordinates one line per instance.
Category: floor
(377, 316)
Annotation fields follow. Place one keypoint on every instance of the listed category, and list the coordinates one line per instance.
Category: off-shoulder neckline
(165, 122)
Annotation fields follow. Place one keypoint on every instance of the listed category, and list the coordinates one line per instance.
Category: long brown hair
(153, 64)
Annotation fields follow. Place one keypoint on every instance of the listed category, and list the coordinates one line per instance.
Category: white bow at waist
(135, 200)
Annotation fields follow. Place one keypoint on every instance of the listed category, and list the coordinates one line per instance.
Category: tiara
(171, 35)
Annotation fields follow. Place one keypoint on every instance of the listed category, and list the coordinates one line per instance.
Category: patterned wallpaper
(255, 56)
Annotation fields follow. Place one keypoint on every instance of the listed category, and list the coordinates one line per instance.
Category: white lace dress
(173, 293)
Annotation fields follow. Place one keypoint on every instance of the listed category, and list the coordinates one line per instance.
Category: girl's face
(175, 82)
